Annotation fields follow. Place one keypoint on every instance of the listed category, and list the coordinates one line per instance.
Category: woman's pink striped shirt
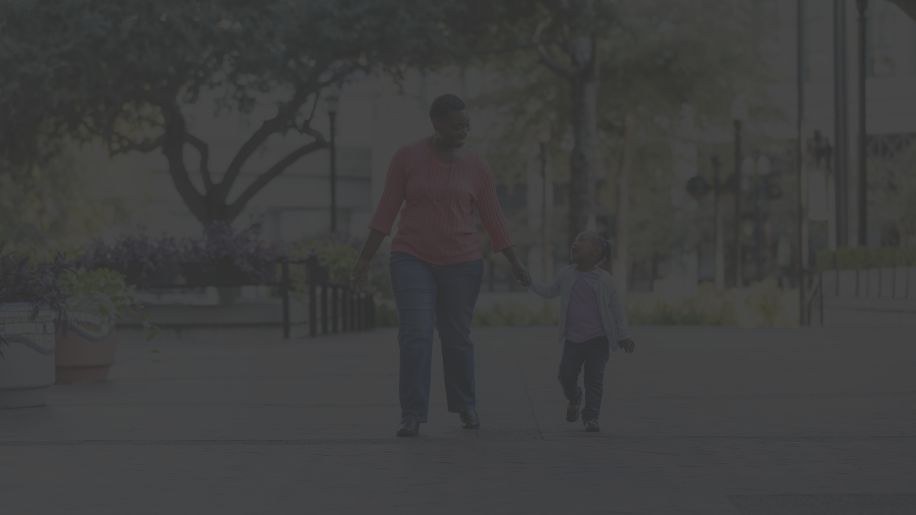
(440, 199)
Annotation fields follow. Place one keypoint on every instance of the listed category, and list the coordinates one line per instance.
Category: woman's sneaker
(592, 426)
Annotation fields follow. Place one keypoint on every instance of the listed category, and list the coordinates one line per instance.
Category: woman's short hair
(443, 105)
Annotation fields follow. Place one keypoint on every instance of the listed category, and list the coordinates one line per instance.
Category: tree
(49, 207)
(126, 70)
(655, 57)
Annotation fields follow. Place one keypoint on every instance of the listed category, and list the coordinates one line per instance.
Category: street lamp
(760, 170)
(698, 188)
(543, 139)
(862, 6)
(841, 124)
(820, 148)
(332, 103)
(739, 115)
(718, 235)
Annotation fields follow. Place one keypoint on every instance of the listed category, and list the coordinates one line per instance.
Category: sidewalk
(696, 421)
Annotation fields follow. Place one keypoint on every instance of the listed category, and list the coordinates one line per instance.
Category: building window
(890, 41)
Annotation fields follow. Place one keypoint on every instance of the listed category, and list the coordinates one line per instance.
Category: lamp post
(698, 188)
(739, 114)
(719, 258)
(862, 6)
(543, 138)
(332, 102)
(761, 170)
(821, 149)
(841, 125)
(802, 217)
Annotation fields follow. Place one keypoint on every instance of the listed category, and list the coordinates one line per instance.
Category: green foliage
(44, 208)
(105, 289)
(339, 257)
(767, 301)
(654, 57)
(25, 279)
(866, 258)
(103, 293)
(516, 314)
(125, 71)
(708, 307)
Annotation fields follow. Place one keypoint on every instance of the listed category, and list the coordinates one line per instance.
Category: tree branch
(204, 150)
(272, 173)
(281, 121)
(173, 148)
(545, 58)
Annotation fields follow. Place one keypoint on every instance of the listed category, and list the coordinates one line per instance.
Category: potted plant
(31, 301)
(86, 339)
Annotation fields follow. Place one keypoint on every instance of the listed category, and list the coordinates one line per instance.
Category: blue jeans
(440, 297)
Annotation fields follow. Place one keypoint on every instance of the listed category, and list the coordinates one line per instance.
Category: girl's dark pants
(593, 355)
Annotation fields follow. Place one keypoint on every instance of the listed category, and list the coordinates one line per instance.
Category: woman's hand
(521, 274)
(518, 269)
(359, 276)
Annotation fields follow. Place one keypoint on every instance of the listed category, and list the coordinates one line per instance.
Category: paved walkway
(701, 421)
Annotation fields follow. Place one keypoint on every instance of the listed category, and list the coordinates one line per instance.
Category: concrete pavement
(698, 420)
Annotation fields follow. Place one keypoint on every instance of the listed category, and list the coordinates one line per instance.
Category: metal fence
(330, 307)
(868, 288)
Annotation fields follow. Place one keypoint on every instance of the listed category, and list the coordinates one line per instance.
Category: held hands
(359, 276)
(628, 345)
(521, 274)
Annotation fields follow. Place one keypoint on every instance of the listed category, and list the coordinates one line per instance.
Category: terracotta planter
(85, 349)
(27, 364)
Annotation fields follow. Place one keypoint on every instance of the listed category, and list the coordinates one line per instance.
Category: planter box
(219, 274)
(27, 365)
(85, 350)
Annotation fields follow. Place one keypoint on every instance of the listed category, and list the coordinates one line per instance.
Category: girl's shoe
(592, 426)
(410, 427)
(572, 412)
(572, 409)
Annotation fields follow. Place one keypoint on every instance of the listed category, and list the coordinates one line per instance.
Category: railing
(350, 310)
(814, 301)
(331, 307)
(865, 288)
(871, 282)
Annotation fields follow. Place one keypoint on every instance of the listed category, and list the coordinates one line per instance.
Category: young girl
(592, 323)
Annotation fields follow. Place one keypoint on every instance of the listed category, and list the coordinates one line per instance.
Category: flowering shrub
(223, 256)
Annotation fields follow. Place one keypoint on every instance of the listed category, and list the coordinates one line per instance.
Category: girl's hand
(521, 274)
(359, 277)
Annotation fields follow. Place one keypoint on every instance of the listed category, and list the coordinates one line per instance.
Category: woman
(436, 261)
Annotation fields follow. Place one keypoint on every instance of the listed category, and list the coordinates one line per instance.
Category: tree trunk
(582, 160)
(173, 142)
